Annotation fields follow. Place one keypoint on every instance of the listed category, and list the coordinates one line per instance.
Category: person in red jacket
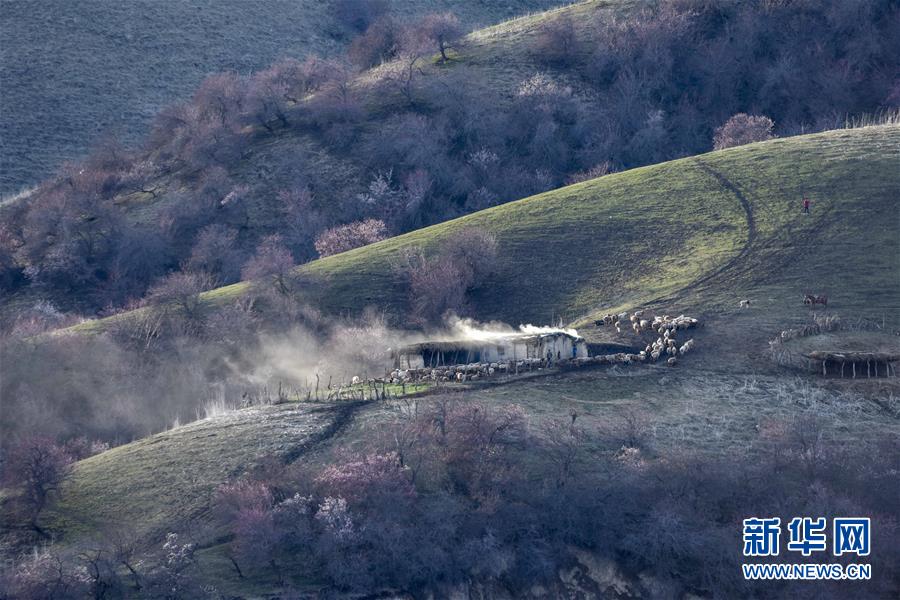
(806, 203)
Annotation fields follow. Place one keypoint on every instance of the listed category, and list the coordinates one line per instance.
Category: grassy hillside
(123, 485)
(694, 236)
(697, 234)
(499, 56)
(73, 71)
(704, 230)
(523, 119)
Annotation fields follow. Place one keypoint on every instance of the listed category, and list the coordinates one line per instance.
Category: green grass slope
(168, 480)
(71, 71)
(696, 234)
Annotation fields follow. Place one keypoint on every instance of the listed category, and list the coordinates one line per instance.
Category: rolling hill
(506, 84)
(690, 236)
(72, 72)
(693, 236)
(699, 233)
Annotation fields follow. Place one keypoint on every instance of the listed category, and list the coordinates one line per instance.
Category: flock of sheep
(665, 326)
(818, 326)
(665, 345)
(466, 372)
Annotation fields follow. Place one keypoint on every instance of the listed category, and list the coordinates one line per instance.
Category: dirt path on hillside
(736, 260)
(345, 412)
(751, 227)
(753, 244)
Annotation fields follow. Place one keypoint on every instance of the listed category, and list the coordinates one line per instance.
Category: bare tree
(401, 74)
(474, 251)
(336, 99)
(214, 253)
(37, 465)
(441, 30)
(436, 286)
(273, 260)
(439, 284)
(181, 290)
(221, 97)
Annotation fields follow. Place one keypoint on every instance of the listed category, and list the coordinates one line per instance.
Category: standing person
(806, 203)
(549, 356)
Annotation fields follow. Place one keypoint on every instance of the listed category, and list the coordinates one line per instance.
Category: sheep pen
(835, 347)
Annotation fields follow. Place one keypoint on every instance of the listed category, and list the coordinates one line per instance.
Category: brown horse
(813, 299)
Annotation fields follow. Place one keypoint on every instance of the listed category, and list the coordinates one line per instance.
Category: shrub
(347, 237)
(594, 172)
(214, 252)
(38, 465)
(181, 290)
(557, 42)
(381, 42)
(743, 129)
(438, 285)
(273, 260)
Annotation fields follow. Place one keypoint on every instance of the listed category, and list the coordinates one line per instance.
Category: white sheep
(354, 380)
(745, 304)
(671, 351)
(636, 327)
(644, 324)
(686, 347)
(672, 361)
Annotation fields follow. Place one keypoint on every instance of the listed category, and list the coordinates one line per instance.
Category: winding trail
(733, 262)
(345, 411)
(751, 226)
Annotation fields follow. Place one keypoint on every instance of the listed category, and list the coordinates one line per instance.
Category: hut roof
(854, 356)
(493, 340)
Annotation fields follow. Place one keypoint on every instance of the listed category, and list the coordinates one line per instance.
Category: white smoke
(469, 329)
